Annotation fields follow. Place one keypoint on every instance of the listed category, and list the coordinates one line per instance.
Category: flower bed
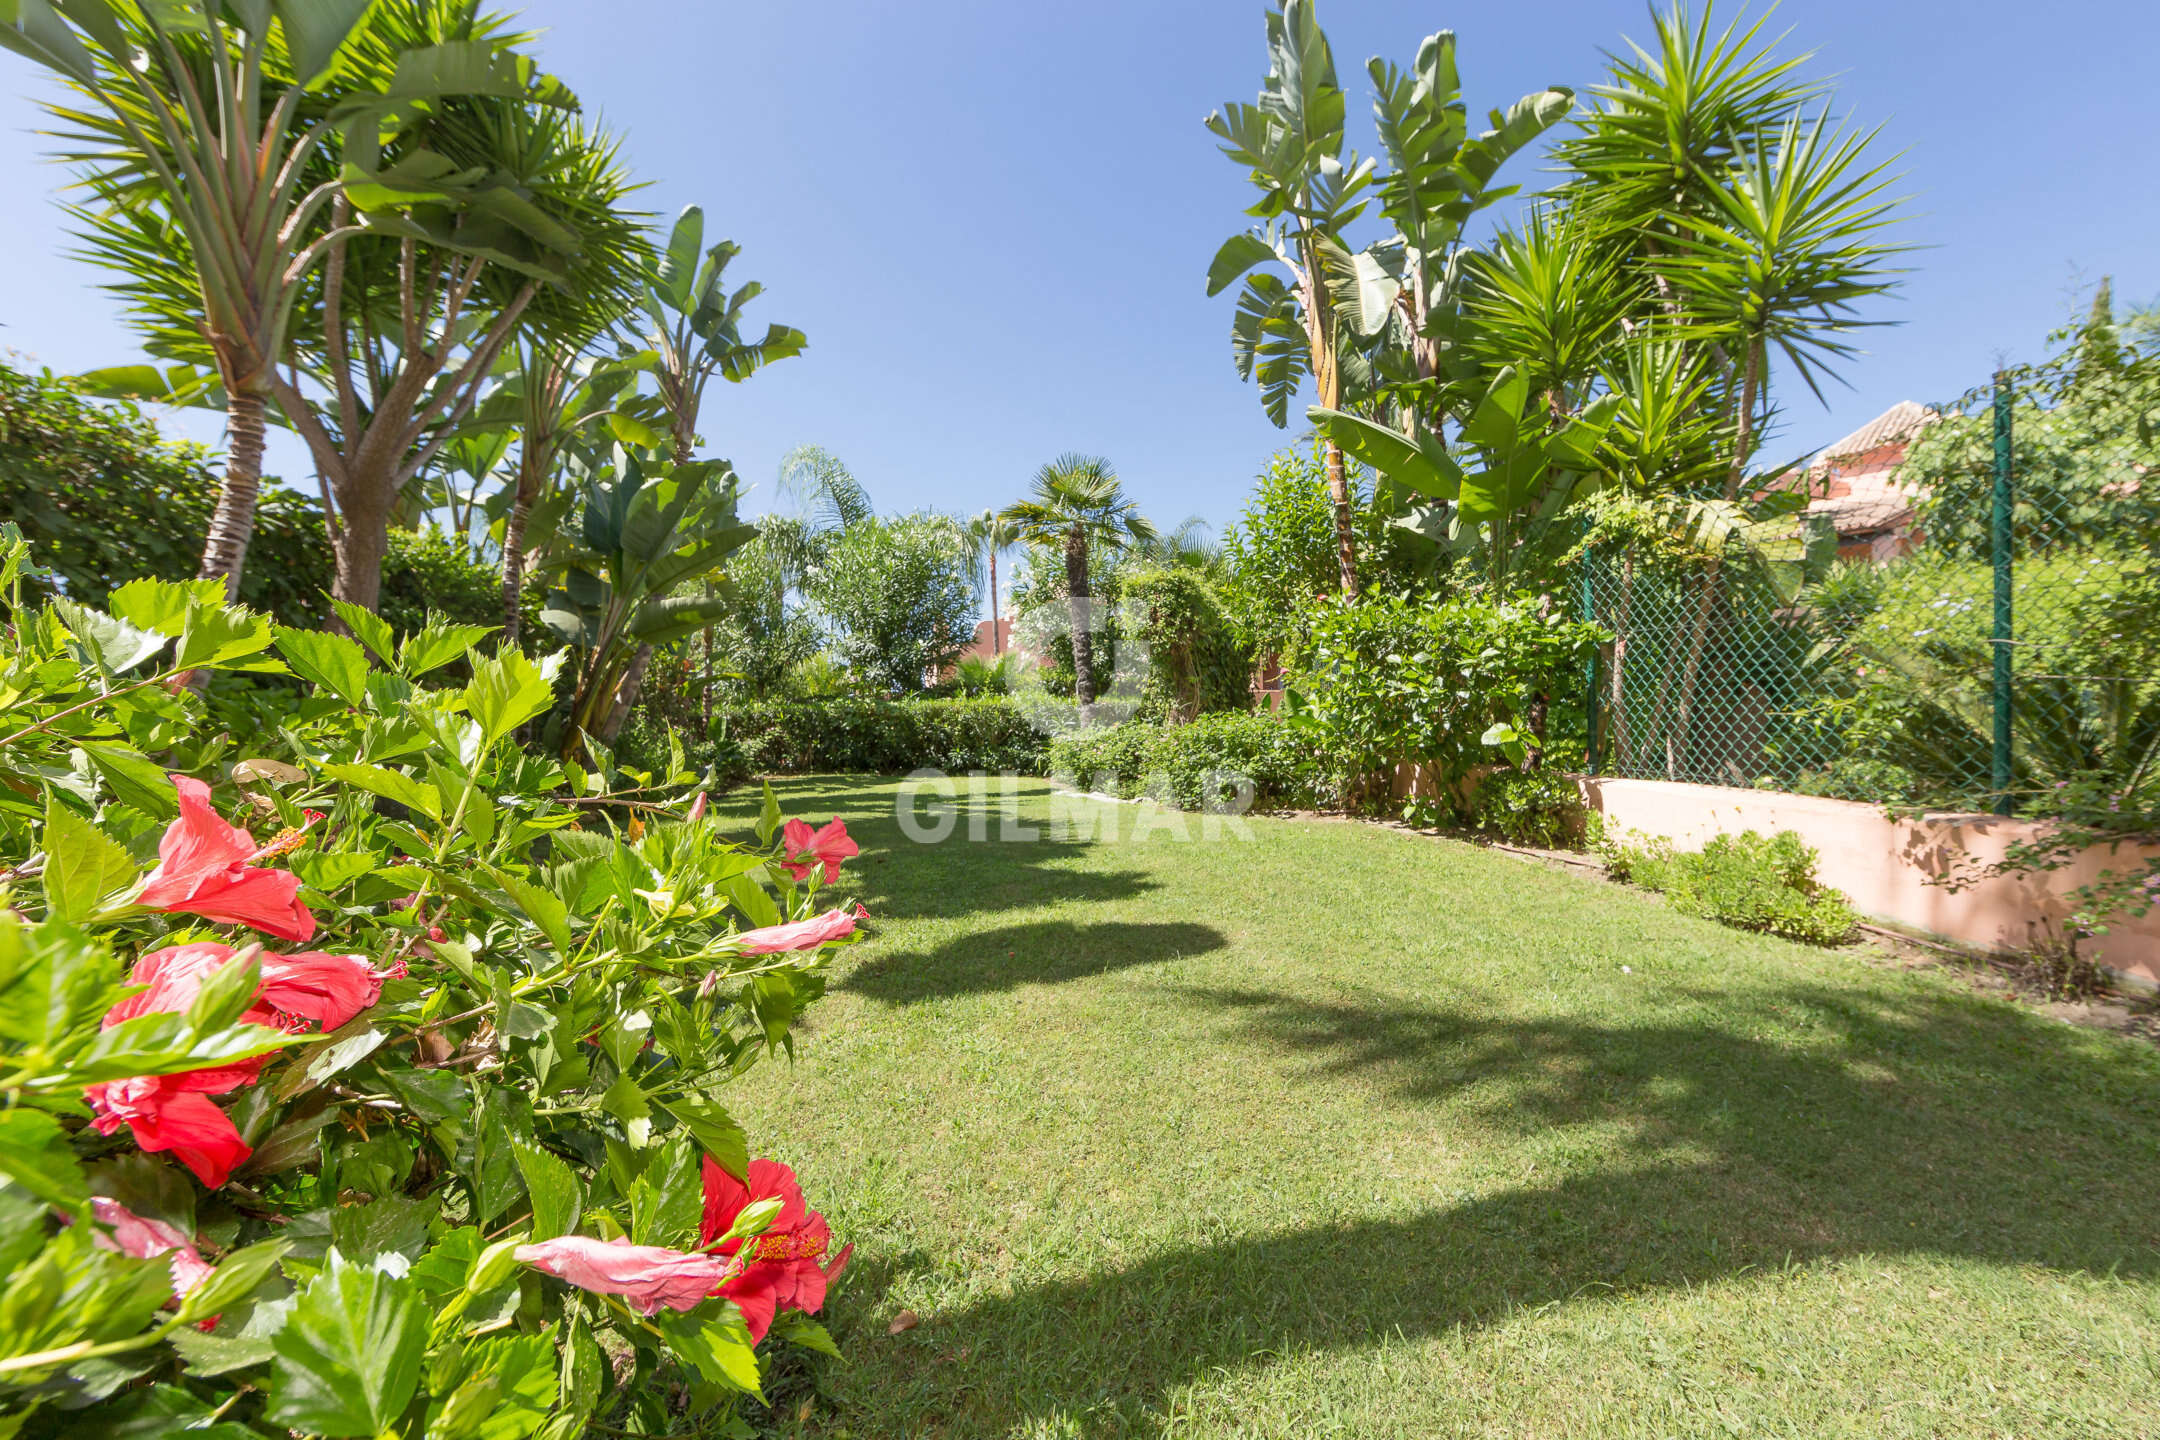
(460, 1167)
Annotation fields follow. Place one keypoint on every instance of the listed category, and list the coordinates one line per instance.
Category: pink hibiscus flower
(207, 867)
(801, 934)
(648, 1276)
(803, 850)
(141, 1238)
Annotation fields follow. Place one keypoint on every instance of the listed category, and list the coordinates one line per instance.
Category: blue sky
(994, 219)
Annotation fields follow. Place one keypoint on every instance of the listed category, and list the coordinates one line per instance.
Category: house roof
(1901, 421)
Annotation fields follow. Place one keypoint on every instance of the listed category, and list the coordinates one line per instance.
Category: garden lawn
(1345, 1131)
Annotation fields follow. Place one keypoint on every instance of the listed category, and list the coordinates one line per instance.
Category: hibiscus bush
(362, 1072)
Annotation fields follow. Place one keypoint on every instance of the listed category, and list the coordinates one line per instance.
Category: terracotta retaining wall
(1885, 864)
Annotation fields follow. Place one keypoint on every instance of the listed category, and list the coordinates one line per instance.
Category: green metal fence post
(2000, 545)
(1595, 757)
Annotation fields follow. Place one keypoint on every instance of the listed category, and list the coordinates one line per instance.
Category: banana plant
(1499, 515)
(1291, 145)
(694, 331)
(1440, 178)
(649, 528)
(551, 397)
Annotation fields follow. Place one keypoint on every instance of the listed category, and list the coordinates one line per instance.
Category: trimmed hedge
(882, 737)
(1289, 766)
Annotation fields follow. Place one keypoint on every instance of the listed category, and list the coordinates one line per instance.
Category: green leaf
(334, 662)
(632, 431)
(315, 30)
(715, 1131)
(508, 690)
(1425, 468)
(233, 1281)
(35, 1154)
(544, 908)
(216, 636)
(82, 867)
(163, 605)
(557, 1198)
(369, 629)
(135, 778)
(1238, 254)
(509, 1388)
(438, 645)
(348, 1360)
(113, 645)
(769, 817)
(797, 1328)
(719, 1350)
(391, 785)
(678, 263)
(491, 1167)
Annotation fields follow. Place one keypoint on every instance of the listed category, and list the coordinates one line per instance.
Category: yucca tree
(1077, 506)
(1291, 145)
(202, 119)
(1790, 246)
(492, 213)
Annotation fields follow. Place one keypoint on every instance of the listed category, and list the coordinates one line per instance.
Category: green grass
(1343, 1131)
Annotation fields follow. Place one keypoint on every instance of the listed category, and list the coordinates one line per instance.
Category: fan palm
(1077, 505)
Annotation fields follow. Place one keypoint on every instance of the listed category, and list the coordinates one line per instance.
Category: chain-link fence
(1954, 608)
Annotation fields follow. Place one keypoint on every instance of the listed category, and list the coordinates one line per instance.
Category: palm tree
(1077, 505)
(989, 534)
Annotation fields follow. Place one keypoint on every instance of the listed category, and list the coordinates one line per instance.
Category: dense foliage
(1230, 760)
(1450, 686)
(502, 1065)
(1279, 557)
(1743, 880)
(899, 596)
(105, 499)
(1196, 664)
(1543, 808)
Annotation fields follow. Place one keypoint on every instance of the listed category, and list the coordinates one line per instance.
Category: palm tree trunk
(232, 524)
(1616, 716)
(513, 564)
(1083, 645)
(996, 646)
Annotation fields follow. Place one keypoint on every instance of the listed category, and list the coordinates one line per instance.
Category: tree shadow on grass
(977, 869)
(1047, 952)
(1914, 1124)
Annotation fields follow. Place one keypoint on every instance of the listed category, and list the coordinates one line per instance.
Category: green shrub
(881, 737)
(1388, 680)
(351, 1189)
(1188, 765)
(1747, 881)
(1531, 807)
(1196, 665)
